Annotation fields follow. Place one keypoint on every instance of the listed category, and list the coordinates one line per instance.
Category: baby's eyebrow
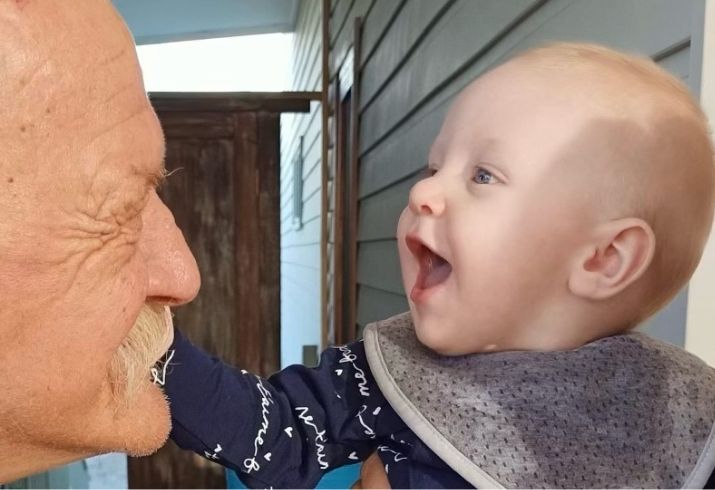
(492, 144)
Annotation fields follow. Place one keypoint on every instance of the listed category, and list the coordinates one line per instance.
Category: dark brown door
(223, 158)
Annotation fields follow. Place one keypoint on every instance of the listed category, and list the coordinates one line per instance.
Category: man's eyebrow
(156, 174)
(157, 178)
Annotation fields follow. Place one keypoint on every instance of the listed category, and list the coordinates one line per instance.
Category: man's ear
(619, 254)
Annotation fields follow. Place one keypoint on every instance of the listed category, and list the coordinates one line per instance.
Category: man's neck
(18, 460)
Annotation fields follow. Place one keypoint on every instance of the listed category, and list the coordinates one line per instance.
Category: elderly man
(90, 258)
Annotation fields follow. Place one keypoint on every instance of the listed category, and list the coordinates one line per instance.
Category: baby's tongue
(435, 270)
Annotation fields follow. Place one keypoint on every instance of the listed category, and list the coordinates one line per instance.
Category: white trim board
(700, 326)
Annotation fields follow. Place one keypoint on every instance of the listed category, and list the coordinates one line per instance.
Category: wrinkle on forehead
(78, 139)
(63, 72)
(113, 57)
(21, 4)
(76, 78)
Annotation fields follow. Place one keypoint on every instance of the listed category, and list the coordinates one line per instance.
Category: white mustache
(159, 377)
(147, 341)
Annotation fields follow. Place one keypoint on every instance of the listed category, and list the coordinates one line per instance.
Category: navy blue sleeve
(284, 431)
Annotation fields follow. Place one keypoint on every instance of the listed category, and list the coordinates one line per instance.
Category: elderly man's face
(85, 242)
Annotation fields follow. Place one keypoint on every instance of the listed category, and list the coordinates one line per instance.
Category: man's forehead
(76, 37)
(136, 143)
(70, 77)
(68, 20)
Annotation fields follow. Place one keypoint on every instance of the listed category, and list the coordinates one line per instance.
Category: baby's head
(569, 196)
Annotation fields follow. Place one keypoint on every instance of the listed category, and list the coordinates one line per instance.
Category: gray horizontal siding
(299, 309)
(379, 266)
(678, 63)
(311, 211)
(376, 305)
(449, 44)
(303, 278)
(310, 176)
(403, 154)
(344, 39)
(309, 234)
(300, 248)
(377, 23)
(311, 185)
(412, 23)
(431, 66)
(339, 19)
(309, 128)
(305, 257)
(417, 55)
(380, 212)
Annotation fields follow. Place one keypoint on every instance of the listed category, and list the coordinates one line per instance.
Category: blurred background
(298, 127)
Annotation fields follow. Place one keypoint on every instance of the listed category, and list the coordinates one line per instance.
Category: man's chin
(145, 425)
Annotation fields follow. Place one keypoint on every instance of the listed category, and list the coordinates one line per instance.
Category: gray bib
(623, 411)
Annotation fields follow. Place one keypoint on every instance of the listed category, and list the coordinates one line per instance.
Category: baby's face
(486, 239)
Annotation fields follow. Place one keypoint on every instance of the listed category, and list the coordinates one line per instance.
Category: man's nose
(172, 274)
(427, 197)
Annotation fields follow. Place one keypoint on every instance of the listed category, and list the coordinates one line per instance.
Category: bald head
(73, 103)
(646, 153)
(61, 63)
(572, 181)
(49, 50)
(85, 241)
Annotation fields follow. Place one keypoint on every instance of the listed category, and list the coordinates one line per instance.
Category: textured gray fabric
(623, 411)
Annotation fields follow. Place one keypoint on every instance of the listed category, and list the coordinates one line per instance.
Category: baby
(568, 196)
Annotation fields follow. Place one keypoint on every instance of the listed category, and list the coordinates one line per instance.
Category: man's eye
(427, 172)
(483, 176)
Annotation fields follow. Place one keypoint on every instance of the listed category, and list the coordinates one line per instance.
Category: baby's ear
(619, 254)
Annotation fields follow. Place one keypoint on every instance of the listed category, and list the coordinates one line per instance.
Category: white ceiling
(160, 21)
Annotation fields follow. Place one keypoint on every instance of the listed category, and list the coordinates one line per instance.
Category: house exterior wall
(300, 248)
(417, 54)
(74, 475)
(700, 334)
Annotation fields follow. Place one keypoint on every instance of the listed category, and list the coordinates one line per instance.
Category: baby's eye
(483, 176)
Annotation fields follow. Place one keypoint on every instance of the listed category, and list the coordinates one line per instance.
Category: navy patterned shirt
(290, 429)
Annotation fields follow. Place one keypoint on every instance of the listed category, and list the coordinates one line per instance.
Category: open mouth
(434, 269)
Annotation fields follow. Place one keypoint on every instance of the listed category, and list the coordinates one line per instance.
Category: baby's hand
(372, 474)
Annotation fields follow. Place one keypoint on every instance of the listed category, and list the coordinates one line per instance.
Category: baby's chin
(436, 336)
(446, 338)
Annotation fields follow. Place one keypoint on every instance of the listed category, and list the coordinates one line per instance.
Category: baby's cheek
(408, 266)
(403, 223)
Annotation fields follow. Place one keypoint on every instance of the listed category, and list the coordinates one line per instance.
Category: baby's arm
(285, 431)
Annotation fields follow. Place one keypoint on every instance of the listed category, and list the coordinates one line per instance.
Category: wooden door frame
(325, 115)
(246, 119)
(260, 110)
(277, 102)
(346, 82)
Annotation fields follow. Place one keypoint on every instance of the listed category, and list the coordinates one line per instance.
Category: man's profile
(90, 258)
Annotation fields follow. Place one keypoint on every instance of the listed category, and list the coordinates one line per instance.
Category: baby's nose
(427, 198)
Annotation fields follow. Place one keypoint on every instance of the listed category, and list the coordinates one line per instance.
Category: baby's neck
(567, 326)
